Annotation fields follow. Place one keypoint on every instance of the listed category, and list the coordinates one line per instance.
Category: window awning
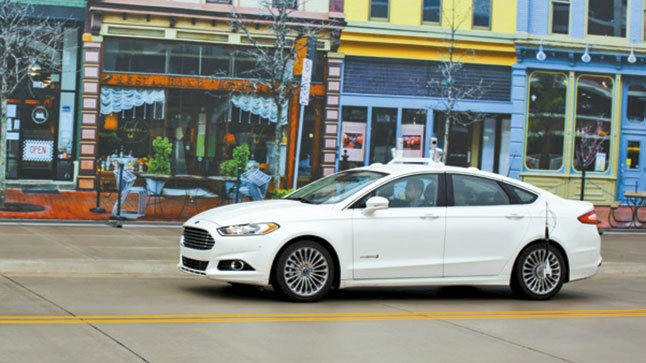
(261, 106)
(115, 99)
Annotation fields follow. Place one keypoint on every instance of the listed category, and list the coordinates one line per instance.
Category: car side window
(414, 191)
(524, 197)
(475, 191)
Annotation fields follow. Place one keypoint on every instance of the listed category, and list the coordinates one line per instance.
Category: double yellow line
(223, 318)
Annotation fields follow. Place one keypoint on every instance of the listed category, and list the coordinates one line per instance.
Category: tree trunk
(278, 138)
(3, 150)
(445, 143)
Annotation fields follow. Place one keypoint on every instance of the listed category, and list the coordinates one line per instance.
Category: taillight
(589, 218)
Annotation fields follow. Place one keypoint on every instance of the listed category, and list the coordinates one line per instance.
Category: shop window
(216, 61)
(593, 127)
(636, 110)
(431, 11)
(289, 4)
(353, 136)
(482, 14)
(379, 9)
(560, 16)
(184, 59)
(546, 121)
(383, 135)
(244, 66)
(130, 55)
(607, 17)
(632, 155)
(413, 132)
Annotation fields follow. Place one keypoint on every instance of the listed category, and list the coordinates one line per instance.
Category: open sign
(38, 150)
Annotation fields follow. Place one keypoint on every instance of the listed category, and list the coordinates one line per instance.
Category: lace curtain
(261, 106)
(114, 99)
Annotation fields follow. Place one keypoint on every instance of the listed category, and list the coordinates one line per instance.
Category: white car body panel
(451, 245)
(399, 243)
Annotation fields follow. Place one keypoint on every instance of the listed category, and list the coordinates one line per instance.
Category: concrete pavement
(69, 249)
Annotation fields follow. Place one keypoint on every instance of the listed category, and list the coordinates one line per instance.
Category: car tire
(304, 272)
(531, 280)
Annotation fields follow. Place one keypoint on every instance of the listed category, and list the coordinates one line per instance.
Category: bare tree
(447, 87)
(26, 43)
(590, 143)
(275, 52)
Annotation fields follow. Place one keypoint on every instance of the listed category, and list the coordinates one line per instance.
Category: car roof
(395, 169)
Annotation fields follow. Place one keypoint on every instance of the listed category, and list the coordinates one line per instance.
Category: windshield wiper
(302, 200)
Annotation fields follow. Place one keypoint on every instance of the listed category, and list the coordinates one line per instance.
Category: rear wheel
(538, 273)
(304, 272)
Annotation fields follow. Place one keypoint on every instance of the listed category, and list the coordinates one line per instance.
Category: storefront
(204, 117)
(386, 99)
(41, 119)
(182, 73)
(582, 116)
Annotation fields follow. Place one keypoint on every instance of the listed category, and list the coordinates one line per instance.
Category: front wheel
(304, 272)
(539, 273)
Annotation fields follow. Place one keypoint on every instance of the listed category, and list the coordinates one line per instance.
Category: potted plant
(158, 164)
(239, 160)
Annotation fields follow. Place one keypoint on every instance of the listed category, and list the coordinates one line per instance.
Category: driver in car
(413, 191)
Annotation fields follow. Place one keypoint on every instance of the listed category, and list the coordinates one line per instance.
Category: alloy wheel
(541, 272)
(306, 271)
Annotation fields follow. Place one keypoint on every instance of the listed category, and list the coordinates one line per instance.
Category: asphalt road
(103, 314)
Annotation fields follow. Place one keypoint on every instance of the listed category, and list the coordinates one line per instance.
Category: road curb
(85, 267)
(622, 268)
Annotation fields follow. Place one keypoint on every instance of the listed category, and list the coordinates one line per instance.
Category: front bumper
(253, 250)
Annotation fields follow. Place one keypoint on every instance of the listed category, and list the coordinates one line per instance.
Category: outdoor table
(635, 200)
(155, 195)
(188, 183)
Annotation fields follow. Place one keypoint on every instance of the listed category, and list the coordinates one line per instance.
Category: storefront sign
(11, 110)
(39, 115)
(353, 140)
(413, 136)
(38, 150)
(164, 81)
(306, 79)
(600, 162)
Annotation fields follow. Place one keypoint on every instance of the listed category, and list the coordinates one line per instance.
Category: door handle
(429, 216)
(514, 216)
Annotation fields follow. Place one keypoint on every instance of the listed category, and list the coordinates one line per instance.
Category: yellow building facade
(393, 51)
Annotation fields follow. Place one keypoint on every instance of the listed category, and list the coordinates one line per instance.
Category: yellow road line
(444, 313)
(303, 319)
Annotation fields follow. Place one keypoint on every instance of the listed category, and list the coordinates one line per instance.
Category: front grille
(198, 239)
(194, 264)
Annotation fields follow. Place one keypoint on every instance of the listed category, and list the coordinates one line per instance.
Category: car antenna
(548, 270)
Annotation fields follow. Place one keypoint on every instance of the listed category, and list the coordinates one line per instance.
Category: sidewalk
(75, 205)
(64, 249)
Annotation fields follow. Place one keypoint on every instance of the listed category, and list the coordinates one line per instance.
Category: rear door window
(471, 190)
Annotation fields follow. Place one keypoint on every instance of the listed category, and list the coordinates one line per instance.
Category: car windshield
(335, 188)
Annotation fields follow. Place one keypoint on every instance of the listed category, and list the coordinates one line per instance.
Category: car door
(406, 240)
(483, 226)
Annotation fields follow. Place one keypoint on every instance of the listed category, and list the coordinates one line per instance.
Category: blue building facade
(579, 97)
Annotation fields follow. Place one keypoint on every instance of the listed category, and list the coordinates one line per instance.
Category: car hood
(260, 211)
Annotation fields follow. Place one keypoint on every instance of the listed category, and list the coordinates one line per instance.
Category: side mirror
(375, 203)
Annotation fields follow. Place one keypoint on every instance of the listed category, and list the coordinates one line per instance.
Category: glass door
(633, 171)
(36, 122)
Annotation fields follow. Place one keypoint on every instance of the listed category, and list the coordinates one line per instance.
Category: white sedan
(399, 224)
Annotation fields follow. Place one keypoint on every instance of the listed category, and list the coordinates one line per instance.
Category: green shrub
(240, 159)
(159, 163)
(278, 193)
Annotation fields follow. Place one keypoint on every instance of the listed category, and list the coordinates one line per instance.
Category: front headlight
(251, 229)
